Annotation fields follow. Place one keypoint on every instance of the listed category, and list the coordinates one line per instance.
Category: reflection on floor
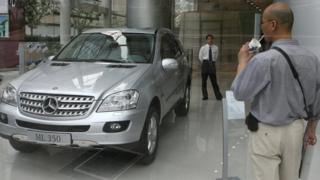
(190, 148)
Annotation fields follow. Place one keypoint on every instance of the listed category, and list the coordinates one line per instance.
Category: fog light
(112, 127)
(83, 143)
(20, 137)
(4, 118)
(115, 126)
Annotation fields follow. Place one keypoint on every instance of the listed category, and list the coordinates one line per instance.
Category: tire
(148, 144)
(23, 146)
(182, 108)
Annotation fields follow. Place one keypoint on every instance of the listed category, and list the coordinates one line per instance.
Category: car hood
(81, 78)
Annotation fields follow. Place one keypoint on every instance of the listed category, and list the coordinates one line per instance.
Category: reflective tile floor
(190, 148)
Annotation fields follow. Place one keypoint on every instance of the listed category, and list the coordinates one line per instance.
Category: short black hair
(209, 35)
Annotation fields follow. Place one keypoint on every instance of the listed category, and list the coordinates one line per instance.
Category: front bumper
(94, 136)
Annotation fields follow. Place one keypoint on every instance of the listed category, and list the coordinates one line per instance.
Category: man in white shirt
(208, 55)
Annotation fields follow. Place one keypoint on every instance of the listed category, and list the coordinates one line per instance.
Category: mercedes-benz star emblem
(50, 105)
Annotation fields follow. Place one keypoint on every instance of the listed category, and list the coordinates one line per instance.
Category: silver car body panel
(98, 80)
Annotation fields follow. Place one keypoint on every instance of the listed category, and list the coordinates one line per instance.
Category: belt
(208, 60)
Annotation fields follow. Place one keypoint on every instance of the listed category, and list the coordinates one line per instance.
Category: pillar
(65, 21)
(149, 13)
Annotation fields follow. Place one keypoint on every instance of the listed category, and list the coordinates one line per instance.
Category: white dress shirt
(204, 52)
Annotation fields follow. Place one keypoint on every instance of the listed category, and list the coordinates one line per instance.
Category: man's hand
(244, 57)
(310, 137)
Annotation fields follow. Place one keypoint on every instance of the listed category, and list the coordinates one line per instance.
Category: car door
(170, 77)
(181, 59)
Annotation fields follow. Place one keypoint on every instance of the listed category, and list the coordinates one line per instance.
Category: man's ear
(274, 25)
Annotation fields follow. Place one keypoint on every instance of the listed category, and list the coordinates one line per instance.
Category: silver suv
(106, 87)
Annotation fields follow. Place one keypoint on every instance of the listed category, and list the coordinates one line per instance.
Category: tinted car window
(166, 47)
(176, 48)
(169, 47)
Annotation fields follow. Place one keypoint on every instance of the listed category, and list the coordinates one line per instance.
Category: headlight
(9, 95)
(120, 101)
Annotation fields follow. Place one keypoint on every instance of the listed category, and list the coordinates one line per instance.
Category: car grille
(63, 106)
(44, 127)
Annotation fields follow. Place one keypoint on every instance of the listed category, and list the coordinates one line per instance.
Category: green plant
(82, 19)
(35, 10)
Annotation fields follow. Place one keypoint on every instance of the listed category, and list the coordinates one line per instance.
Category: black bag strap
(296, 76)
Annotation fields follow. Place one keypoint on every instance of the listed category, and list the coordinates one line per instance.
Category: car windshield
(109, 47)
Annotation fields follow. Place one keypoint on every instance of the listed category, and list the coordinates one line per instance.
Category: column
(65, 21)
(257, 24)
(149, 13)
(106, 15)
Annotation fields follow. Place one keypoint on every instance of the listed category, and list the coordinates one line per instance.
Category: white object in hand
(254, 44)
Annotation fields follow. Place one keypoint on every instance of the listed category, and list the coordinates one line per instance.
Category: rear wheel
(183, 107)
(23, 147)
(149, 137)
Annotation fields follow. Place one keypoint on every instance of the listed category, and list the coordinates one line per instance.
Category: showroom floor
(190, 148)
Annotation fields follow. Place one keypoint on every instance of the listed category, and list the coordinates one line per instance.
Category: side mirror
(50, 58)
(169, 64)
(114, 45)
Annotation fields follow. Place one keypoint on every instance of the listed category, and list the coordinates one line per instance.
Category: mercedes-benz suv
(105, 87)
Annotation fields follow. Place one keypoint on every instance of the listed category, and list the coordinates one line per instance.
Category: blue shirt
(267, 81)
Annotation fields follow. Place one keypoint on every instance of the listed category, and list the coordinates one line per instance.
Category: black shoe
(219, 98)
(205, 98)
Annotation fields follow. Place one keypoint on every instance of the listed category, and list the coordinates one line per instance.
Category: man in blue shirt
(277, 101)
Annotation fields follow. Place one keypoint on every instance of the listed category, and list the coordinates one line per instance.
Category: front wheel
(149, 137)
(183, 107)
(23, 147)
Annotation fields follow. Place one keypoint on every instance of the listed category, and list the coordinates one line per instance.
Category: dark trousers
(209, 70)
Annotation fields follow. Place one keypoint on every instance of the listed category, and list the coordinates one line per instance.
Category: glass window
(169, 47)
(176, 48)
(111, 46)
